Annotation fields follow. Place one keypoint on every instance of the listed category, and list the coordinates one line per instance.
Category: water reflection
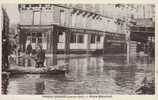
(125, 78)
(40, 86)
(87, 75)
(51, 60)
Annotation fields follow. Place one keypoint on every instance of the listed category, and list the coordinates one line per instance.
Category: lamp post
(127, 29)
(128, 46)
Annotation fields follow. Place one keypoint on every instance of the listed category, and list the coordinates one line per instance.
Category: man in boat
(29, 53)
(29, 49)
(40, 57)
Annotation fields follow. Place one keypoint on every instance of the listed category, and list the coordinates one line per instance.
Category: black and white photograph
(78, 49)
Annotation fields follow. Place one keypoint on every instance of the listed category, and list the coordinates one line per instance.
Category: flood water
(87, 75)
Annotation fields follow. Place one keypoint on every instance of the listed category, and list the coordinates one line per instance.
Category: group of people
(38, 55)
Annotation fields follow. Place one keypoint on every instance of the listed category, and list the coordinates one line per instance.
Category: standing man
(29, 49)
(29, 53)
(40, 57)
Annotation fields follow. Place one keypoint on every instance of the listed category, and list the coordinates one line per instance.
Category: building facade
(5, 39)
(143, 33)
(5, 22)
(69, 28)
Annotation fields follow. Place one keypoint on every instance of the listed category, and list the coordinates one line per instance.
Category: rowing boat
(57, 69)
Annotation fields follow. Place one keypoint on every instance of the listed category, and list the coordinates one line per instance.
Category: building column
(22, 40)
(52, 47)
(105, 44)
(128, 48)
(102, 43)
(53, 41)
(67, 42)
(48, 42)
(88, 42)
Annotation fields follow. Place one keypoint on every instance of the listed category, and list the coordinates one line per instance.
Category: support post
(105, 45)
(22, 40)
(88, 43)
(128, 48)
(128, 52)
(67, 42)
(53, 47)
(53, 41)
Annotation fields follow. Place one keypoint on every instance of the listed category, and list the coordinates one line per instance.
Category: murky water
(87, 75)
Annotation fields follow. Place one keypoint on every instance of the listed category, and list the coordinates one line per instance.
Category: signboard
(77, 30)
(91, 32)
(114, 37)
(86, 31)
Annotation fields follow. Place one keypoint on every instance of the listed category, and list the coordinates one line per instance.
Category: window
(33, 39)
(33, 34)
(35, 5)
(24, 9)
(44, 38)
(39, 34)
(42, 5)
(40, 40)
(28, 37)
(61, 37)
(73, 38)
(92, 38)
(80, 39)
(98, 38)
(19, 6)
(27, 5)
(62, 17)
(28, 34)
(36, 19)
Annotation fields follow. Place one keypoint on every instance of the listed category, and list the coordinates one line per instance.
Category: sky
(13, 13)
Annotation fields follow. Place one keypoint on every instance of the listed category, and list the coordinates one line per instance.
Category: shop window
(80, 39)
(73, 38)
(98, 38)
(92, 38)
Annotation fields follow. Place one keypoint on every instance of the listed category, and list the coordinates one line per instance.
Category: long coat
(29, 49)
(41, 56)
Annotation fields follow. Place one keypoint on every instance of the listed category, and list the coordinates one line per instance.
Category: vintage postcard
(84, 50)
